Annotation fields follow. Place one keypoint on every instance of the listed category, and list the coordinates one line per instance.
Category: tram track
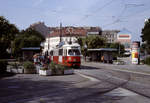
(109, 81)
(128, 83)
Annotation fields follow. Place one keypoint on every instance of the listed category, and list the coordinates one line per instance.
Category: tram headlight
(69, 58)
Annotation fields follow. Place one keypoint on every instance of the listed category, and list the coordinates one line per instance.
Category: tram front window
(73, 52)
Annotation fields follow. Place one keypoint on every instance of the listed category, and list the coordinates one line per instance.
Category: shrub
(29, 67)
(57, 69)
(147, 60)
(3, 66)
(52, 65)
(14, 64)
(45, 67)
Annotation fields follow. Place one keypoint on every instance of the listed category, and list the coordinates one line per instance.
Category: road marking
(121, 92)
(88, 77)
(115, 92)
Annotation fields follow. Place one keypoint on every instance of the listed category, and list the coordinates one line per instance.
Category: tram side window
(56, 52)
(60, 51)
(74, 52)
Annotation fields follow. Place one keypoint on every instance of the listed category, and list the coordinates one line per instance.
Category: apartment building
(124, 37)
(110, 35)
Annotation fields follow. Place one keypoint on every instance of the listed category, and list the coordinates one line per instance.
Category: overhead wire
(99, 9)
(118, 19)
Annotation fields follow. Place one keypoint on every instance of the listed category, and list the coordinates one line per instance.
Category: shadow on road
(88, 67)
(6, 74)
(44, 89)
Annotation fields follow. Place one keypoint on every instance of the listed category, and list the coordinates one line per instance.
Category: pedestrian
(35, 58)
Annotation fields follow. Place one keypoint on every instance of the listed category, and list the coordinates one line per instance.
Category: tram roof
(31, 48)
(74, 44)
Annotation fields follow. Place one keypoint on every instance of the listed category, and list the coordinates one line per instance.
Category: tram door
(65, 56)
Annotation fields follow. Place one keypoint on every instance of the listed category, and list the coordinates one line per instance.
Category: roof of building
(68, 32)
(74, 31)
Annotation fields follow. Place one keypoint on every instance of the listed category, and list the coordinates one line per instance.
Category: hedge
(147, 61)
(3, 66)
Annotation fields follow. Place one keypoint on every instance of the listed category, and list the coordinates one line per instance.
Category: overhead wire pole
(60, 32)
(48, 41)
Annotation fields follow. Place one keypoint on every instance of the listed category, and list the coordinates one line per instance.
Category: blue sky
(108, 14)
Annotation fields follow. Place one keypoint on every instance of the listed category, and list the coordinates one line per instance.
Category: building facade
(110, 35)
(65, 34)
(124, 37)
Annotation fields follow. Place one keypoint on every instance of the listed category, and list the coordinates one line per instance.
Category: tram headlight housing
(69, 58)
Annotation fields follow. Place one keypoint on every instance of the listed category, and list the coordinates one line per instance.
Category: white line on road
(88, 77)
(115, 92)
(121, 92)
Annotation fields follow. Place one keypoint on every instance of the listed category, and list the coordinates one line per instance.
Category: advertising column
(136, 52)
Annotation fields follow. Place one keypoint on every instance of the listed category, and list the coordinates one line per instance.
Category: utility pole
(60, 32)
(119, 48)
(70, 31)
(48, 42)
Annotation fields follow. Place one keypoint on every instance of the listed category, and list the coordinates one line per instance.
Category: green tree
(7, 34)
(146, 35)
(95, 42)
(91, 42)
(119, 47)
(27, 38)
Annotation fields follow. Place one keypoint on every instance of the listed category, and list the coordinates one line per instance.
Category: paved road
(32, 88)
(100, 84)
(23, 88)
(132, 77)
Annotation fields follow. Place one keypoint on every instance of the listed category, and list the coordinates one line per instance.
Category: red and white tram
(67, 54)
